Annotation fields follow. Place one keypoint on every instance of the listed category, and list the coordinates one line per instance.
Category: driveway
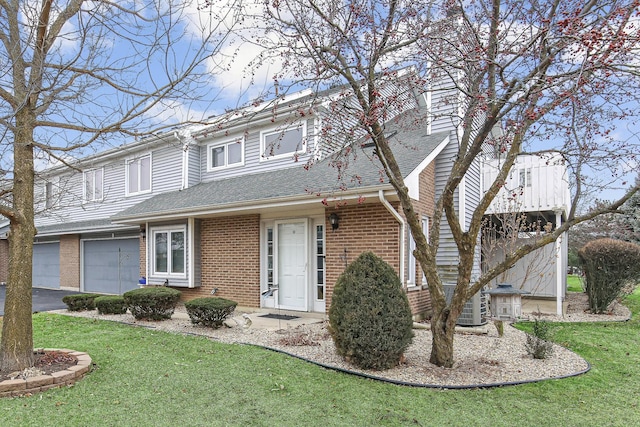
(43, 299)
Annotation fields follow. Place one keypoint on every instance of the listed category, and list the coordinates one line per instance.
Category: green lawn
(149, 378)
(574, 283)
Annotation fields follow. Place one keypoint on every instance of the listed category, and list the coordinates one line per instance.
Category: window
(93, 185)
(169, 251)
(270, 282)
(282, 143)
(48, 195)
(139, 175)
(230, 153)
(525, 178)
(320, 258)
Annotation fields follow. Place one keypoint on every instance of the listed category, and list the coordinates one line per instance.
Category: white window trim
(126, 173)
(226, 142)
(413, 262)
(265, 133)
(426, 224)
(84, 186)
(152, 247)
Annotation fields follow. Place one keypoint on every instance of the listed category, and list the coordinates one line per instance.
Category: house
(254, 206)
(232, 208)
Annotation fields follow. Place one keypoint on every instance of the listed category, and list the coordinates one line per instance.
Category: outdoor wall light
(334, 220)
(143, 233)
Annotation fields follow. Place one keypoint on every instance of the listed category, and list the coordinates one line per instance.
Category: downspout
(559, 267)
(185, 162)
(402, 223)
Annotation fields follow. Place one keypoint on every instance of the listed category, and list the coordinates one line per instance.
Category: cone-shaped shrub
(370, 318)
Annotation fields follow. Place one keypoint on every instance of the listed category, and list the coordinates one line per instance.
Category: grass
(151, 378)
(574, 283)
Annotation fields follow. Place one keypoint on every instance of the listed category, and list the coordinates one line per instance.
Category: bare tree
(72, 75)
(539, 70)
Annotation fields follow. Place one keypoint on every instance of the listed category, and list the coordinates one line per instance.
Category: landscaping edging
(40, 383)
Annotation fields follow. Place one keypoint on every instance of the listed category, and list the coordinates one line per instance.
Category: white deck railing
(535, 184)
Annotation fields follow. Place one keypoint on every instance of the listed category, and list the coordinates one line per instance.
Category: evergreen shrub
(610, 266)
(111, 304)
(80, 302)
(370, 318)
(152, 303)
(209, 311)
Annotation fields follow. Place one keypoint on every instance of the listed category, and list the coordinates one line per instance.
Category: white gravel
(482, 359)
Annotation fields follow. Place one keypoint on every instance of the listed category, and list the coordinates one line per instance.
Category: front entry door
(291, 262)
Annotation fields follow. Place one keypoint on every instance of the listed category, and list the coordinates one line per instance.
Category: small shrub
(153, 303)
(80, 302)
(609, 266)
(538, 344)
(209, 311)
(110, 304)
(370, 318)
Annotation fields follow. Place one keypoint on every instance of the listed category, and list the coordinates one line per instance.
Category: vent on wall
(474, 312)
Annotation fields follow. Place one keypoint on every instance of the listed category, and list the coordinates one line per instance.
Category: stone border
(40, 383)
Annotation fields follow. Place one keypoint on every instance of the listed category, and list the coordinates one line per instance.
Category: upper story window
(48, 195)
(226, 154)
(139, 175)
(93, 182)
(283, 142)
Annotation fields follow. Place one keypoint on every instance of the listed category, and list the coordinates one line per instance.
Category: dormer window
(226, 154)
(283, 142)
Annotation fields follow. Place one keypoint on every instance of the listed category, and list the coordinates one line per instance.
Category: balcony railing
(534, 184)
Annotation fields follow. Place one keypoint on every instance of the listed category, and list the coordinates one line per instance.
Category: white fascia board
(102, 229)
(238, 119)
(371, 193)
(412, 181)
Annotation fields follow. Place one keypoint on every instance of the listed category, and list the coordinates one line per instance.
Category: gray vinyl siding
(253, 161)
(444, 106)
(194, 173)
(166, 175)
(447, 256)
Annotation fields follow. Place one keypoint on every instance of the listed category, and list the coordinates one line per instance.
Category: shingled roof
(411, 148)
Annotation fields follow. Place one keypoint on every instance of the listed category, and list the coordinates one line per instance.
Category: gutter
(203, 211)
(403, 227)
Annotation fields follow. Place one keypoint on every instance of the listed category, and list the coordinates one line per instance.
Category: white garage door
(111, 266)
(46, 265)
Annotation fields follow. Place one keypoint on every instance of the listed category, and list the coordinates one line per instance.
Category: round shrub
(152, 303)
(209, 311)
(80, 302)
(370, 318)
(610, 266)
(110, 304)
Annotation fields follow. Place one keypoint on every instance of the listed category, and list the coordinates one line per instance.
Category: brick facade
(70, 261)
(365, 227)
(230, 260)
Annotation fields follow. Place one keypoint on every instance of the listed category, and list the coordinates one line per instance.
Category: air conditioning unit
(475, 310)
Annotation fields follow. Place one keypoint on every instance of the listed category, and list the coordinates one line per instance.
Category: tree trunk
(16, 345)
(443, 326)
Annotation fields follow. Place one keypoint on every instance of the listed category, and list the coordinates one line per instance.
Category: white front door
(291, 262)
